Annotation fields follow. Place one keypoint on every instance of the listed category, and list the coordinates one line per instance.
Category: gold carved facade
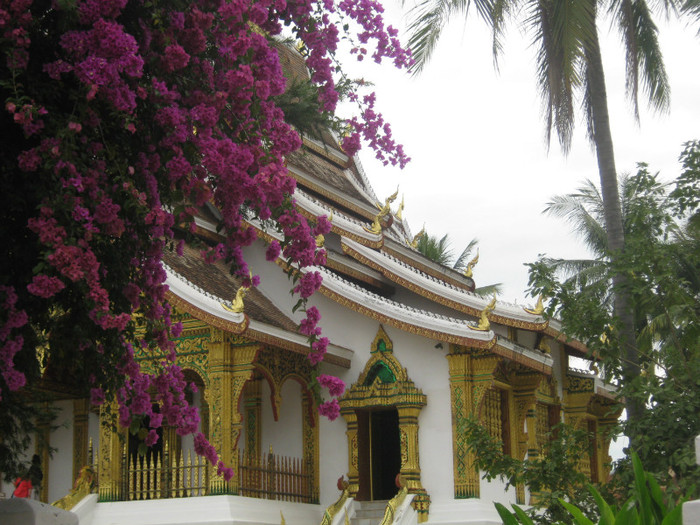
(229, 369)
(385, 383)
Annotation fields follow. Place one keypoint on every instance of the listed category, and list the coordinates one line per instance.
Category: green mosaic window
(381, 370)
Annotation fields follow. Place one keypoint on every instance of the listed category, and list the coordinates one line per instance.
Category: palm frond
(461, 263)
(560, 30)
(427, 21)
(643, 56)
(489, 290)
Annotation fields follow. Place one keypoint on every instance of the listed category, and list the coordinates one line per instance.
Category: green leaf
(640, 484)
(675, 517)
(507, 517)
(579, 518)
(524, 518)
(607, 516)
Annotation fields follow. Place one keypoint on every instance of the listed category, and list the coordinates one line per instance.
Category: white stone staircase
(368, 512)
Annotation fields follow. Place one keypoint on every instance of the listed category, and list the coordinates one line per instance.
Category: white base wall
(207, 510)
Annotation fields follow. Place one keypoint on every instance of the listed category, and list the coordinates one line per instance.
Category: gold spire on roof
(469, 272)
(400, 210)
(414, 243)
(484, 323)
(539, 307)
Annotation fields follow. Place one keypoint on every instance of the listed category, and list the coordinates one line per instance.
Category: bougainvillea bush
(119, 119)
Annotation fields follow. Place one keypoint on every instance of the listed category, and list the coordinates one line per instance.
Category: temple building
(420, 354)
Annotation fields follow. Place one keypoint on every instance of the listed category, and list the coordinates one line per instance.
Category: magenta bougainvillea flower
(125, 117)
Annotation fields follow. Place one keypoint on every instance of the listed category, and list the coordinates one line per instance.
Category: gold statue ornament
(320, 239)
(484, 323)
(399, 212)
(469, 272)
(384, 210)
(416, 238)
(539, 307)
(237, 305)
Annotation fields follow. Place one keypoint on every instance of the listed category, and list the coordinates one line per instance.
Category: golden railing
(276, 477)
(180, 476)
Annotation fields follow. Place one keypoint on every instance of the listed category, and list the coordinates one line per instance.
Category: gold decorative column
(410, 460)
(81, 408)
(577, 398)
(309, 418)
(350, 417)
(471, 373)
(607, 412)
(525, 401)
(230, 366)
(252, 405)
(109, 463)
(43, 443)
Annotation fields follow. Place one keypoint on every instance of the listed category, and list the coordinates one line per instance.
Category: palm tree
(662, 260)
(439, 251)
(569, 62)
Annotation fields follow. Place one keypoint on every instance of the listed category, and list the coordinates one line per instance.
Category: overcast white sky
(480, 166)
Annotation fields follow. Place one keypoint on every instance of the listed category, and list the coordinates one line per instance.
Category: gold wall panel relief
(309, 416)
(229, 368)
(81, 411)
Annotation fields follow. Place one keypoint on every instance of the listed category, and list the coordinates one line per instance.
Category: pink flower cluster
(13, 319)
(168, 110)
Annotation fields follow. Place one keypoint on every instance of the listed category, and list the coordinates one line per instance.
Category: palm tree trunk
(602, 138)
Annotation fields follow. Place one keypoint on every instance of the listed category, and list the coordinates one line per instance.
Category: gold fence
(275, 477)
(184, 474)
(155, 477)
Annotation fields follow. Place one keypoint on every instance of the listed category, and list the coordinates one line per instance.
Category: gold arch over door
(383, 391)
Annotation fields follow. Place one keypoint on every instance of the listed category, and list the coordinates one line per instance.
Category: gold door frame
(384, 383)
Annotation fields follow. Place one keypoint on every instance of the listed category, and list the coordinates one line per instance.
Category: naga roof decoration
(410, 319)
(188, 297)
(342, 224)
(203, 305)
(438, 290)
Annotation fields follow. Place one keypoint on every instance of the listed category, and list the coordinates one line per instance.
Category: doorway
(379, 453)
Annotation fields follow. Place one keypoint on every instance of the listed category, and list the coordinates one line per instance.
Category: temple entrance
(379, 453)
(382, 409)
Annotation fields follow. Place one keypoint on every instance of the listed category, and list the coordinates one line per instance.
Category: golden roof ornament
(376, 227)
(237, 305)
(399, 212)
(484, 323)
(391, 198)
(544, 346)
(414, 243)
(539, 307)
(469, 272)
(320, 239)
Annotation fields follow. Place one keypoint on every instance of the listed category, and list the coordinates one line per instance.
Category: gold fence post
(109, 464)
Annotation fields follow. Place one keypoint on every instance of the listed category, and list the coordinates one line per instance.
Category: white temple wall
(61, 464)
(427, 367)
(284, 435)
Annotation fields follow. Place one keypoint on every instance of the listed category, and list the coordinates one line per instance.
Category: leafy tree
(569, 63)
(551, 476)
(648, 505)
(119, 119)
(662, 264)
